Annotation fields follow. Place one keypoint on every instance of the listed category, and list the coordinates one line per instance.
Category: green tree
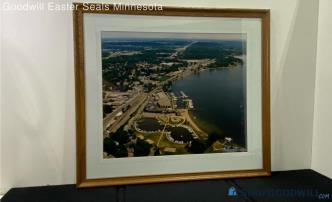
(109, 146)
(197, 147)
(120, 136)
(213, 137)
(121, 151)
(142, 148)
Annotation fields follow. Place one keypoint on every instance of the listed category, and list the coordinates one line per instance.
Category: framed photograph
(170, 94)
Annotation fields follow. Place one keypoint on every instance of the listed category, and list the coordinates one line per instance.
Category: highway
(181, 50)
(132, 108)
(119, 109)
(136, 103)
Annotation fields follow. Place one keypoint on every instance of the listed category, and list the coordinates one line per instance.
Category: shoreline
(194, 124)
(203, 125)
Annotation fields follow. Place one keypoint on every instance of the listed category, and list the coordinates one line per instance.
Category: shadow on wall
(293, 95)
(29, 116)
(39, 124)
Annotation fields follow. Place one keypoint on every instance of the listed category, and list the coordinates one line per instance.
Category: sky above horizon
(118, 35)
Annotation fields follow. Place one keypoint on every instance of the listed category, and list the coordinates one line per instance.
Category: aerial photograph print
(170, 93)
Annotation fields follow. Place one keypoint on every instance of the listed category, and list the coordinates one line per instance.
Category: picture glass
(167, 93)
(171, 95)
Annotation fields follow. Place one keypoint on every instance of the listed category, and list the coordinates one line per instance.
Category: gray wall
(322, 136)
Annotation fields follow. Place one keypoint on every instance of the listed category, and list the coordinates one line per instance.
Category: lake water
(219, 100)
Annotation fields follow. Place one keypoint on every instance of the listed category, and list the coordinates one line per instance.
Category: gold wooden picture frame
(80, 82)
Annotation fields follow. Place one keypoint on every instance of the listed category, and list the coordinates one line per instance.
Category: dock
(183, 95)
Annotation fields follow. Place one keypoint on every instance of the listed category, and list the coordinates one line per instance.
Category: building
(163, 100)
(170, 149)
